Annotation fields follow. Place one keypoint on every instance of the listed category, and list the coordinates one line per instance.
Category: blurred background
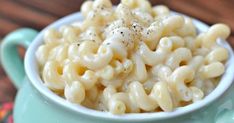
(38, 14)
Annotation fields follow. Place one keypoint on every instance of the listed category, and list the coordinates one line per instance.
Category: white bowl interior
(33, 75)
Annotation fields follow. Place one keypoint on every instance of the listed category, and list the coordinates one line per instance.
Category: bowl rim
(34, 77)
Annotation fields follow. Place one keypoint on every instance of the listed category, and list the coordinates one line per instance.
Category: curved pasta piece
(158, 56)
(76, 72)
(177, 42)
(218, 54)
(177, 81)
(143, 17)
(42, 53)
(180, 55)
(98, 14)
(121, 40)
(70, 33)
(91, 34)
(117, 106)
(123, 35)
(91, 60)
(117, 66)
(106, 73)
(212, 70)
(172, 22)
(188, 29)
(142, 99)
(115, 102)
(159, 96)
(136, 99)
(108, 92)
(123, 12)
(119, 50)
(120, 103)
(52, 75)
(160, 10)
(205, 85)
(139, 69)
(183, 73)
(152, 34)
(75, 92)
(59, 53)
(122, 67)
(73, 53)
(216, 31)
(86, 7)
(114, 25)
(51, 36)
(116, 69)
(160, 28)
(162, 72)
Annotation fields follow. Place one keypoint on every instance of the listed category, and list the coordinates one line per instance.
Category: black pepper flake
(121, 33)
(78, 45)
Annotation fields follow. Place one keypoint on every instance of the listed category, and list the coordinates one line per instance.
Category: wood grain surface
(39, 13)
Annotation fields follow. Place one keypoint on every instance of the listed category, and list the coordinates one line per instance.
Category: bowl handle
(10, 58)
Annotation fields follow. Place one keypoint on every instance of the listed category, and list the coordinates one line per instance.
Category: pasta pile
(132, 58)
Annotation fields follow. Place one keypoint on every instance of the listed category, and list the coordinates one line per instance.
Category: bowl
(36, 103)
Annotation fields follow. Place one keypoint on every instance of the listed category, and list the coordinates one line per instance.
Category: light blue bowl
(37, 104)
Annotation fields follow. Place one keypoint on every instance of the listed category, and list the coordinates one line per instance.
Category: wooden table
(39, 13)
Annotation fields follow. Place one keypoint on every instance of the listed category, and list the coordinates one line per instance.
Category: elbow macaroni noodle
(134, 58)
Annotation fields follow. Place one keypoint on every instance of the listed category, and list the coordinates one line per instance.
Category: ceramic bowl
(36, 103)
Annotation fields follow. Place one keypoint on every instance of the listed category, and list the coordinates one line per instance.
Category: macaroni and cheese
(132, 58)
